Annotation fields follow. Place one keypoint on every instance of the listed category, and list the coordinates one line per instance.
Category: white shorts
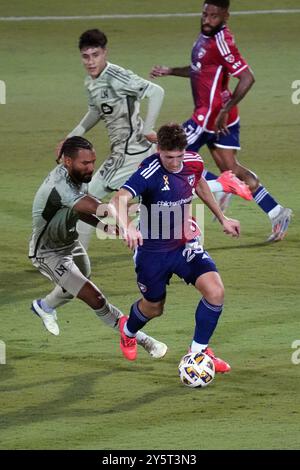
(69, 268)
(115, 171)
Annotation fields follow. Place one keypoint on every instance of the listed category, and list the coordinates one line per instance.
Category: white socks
(214, 186)
(109, 314)
(57, 298)
(274, 212)
(197, 347)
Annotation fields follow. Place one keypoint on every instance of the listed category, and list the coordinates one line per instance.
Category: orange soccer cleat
(232, 184)
(220, 365)
(128, 345)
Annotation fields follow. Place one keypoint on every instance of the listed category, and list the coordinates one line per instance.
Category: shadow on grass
(79, 389)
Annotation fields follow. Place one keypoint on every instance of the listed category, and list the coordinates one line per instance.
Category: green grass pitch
(75, 391)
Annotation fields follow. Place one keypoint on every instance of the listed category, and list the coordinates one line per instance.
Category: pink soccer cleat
(220, 365)
(128, 345)
(232, 184)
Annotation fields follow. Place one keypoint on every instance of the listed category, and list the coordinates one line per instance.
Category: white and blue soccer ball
(196, 370)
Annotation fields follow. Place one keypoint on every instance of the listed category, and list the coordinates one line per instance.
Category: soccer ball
(196, 369)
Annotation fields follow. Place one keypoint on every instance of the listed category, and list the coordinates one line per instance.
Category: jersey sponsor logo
(61, 270)
(106, 109)
(230, 58)
(142, 287)
(166, 182)
(191, 180)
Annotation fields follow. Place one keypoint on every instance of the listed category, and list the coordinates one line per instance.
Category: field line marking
(142, 15)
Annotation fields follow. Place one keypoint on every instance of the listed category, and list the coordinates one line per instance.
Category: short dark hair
(92, 38)
(219, 3)
(171, 137)
(72, 145)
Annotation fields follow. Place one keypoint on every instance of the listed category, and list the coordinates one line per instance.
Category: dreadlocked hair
(72, 145)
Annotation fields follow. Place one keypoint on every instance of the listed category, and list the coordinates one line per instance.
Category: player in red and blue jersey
(164, 242)
(215, 119)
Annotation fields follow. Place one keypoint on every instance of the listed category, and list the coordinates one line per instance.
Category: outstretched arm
(90, 210)
(163, 71)
(230, 226)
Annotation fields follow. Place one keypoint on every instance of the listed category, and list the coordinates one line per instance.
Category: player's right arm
(91, 118)
(118, 207)
(90, 210)
(163, 71)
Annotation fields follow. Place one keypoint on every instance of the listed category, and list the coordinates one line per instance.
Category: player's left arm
(230, 226)
(246, 80)
(141, 88)
(229, 56)
(155, 95)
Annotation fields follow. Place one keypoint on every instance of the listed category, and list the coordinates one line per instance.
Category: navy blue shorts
(155, 269)
(197, 137)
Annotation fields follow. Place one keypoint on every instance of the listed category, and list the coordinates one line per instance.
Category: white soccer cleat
(49, 319)
(280, 224)
(155, 348)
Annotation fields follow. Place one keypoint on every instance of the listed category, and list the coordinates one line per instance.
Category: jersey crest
(191, 180)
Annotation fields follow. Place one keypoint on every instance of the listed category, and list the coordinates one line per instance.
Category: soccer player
(166, 182)
(61, 200)
(114, 96)
(215, 120)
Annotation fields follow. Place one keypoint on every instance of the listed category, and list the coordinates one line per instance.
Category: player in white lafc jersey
(114, 96)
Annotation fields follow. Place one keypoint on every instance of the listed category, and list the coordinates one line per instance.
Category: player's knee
(154, 309)
(160, 311)
(157, 309)
(215, 294)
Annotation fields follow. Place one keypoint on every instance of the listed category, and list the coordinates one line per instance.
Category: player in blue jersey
(164, 242)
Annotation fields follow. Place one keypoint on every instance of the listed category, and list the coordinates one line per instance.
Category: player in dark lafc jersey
(215, 119)
(165, 244)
